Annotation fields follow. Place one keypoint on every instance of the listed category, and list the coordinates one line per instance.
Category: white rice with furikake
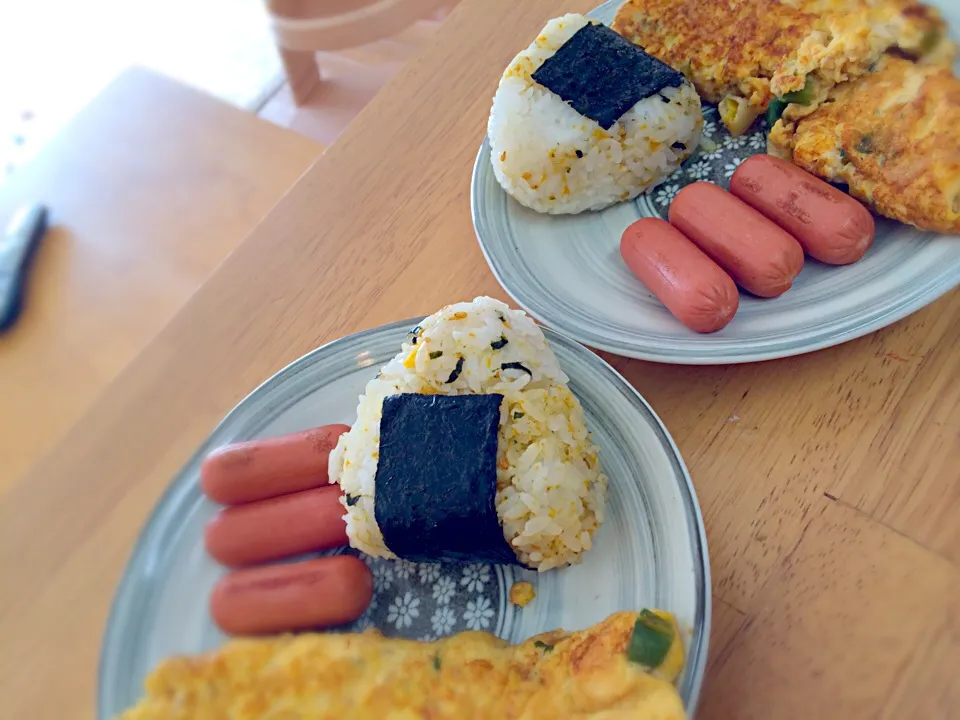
(553, 159)
(550, 488)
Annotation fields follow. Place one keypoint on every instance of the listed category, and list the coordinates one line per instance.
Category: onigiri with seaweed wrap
(470, 446)
(583, 119)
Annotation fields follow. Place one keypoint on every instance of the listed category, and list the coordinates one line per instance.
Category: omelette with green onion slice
(918, 30)
(623, 667)
(729, 50)
(892, 136)
(744, 54)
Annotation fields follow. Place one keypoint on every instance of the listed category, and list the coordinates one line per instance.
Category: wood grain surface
(149, 189)
(829, 482)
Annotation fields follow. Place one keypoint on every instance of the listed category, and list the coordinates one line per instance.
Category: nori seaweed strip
(679, 146)
(456, 371)
(498, 344)
(516, 366)
(579, 153)
(601, 74)
(436, 479)
(518, 415)
(352, 499)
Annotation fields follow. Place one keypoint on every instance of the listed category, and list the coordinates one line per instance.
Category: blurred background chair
(302, 28)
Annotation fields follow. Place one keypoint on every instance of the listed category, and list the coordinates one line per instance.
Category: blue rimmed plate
(650, 552)
(567, 272)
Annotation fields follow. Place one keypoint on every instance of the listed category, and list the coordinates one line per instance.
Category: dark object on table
(602, 75)
(436, 480)
(16, 251)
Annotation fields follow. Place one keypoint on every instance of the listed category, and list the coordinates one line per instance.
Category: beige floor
(57, 55)
(223, 47)
(351, 78)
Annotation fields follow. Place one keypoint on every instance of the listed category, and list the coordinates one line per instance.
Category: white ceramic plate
(650, 552)
(567, 271)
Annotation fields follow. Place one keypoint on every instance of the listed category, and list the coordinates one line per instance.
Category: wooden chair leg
(302, 73)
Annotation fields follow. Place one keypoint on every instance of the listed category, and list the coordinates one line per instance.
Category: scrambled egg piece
(471, 675)
(893, 136)
(521, 593)
(918, 30)
(741, 54)
(725, 48)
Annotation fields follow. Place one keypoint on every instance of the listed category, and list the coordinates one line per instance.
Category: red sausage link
(830, 225)
(280, 527)
(261, 469)
(691, 285)
(299, 596)
(761, 257)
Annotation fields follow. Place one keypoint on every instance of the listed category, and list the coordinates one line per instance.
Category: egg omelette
(743, 54)
(918, 30)
(893, 136)
(622, 667)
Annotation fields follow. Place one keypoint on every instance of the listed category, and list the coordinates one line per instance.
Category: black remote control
(16, 250)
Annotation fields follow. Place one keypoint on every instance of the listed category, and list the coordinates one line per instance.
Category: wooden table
(830, 483)
(149, 189)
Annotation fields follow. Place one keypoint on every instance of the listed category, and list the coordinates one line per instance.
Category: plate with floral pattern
(567, 271)
(651, 550)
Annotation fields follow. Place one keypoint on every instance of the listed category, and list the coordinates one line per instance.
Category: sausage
(691, 285)
(261, 469)
(280, 527)
(830, 225)
(760, 256)
(282, 598)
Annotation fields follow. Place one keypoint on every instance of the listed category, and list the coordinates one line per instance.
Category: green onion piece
(931, 38)
(774, 111)
(518, 415)
(801, 97)
(651, 618)
(435, 354)
(546, 647)
(436, 663)
(651, 640)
